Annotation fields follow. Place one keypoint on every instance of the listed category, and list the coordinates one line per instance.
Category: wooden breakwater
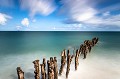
(48, 69)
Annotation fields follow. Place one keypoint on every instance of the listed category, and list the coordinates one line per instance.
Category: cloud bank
(83, 12)
(43, 7)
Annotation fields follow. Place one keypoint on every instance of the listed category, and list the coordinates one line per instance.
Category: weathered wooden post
(69, 60)
(52, 64)
(51, 69)
(55, 69)
(76, 59)
(37, 71)
(51, 59)
(84, 51)
(48, 69)
(89, 46)
(43, 74)
(81, 49)
(68, 64)
(63, 61)
(94, 40)
(44, 63)
(20, 73)
(51, 74)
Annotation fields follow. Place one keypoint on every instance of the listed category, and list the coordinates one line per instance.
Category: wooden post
(48, 69)
(69, 60)
(44, 63)
(37, 71)
(81, 49)
(43, 74)
(51, 74)
(89, 46)
(84, 51)
(63, 61)
(20, 73)
(51, 59)
(94, 40)
(55, 69)
(51, 69)
(76, 59)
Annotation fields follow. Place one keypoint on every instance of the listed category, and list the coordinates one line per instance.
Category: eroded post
(48, 69)
(44, 63)
(20, 73)
(43, 74)
(55, 69)
(69, 60)
(37, 71)
(63, 61)
(76, 59)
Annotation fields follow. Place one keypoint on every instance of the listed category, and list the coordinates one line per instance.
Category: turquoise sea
(21, 48)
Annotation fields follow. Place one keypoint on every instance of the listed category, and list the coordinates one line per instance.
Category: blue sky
(59, 15)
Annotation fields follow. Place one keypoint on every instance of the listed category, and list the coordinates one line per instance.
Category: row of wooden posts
(52, 67)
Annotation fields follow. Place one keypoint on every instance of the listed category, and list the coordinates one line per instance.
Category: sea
(20, 49)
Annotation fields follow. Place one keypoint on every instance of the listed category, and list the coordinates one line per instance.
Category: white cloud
(4, 18)
(78, 10)
(82, 11)
(77, 25)
(112, 20)
(25, 22)
(18, 28)
(43, 7)
(70, 27)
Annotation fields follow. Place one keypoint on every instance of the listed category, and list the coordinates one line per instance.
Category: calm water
(21, 48)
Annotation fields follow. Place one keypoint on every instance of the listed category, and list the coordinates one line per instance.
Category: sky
(59, 15)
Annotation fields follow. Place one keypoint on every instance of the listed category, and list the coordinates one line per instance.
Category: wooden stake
(20, 73)
(37, 71)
